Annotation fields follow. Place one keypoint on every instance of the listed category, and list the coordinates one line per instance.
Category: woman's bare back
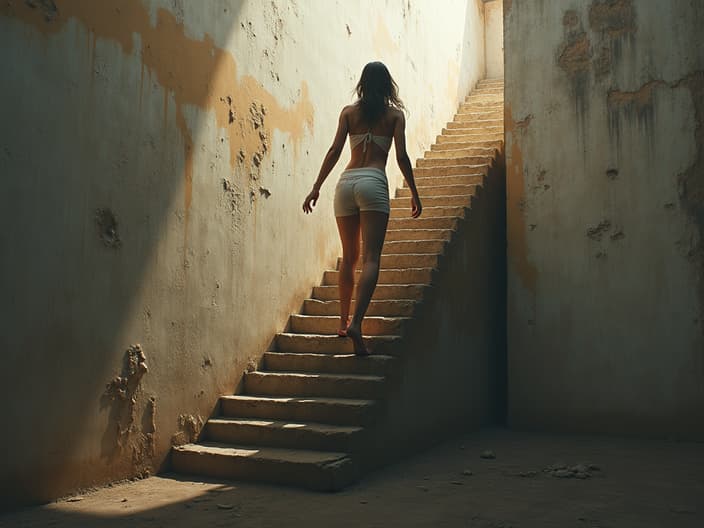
(373, 155)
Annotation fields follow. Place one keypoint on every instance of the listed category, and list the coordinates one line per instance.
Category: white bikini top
(382, 141)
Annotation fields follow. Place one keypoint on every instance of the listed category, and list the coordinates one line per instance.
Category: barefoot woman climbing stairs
(362, 192)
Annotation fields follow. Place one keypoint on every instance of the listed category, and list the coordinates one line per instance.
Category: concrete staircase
(305, 417)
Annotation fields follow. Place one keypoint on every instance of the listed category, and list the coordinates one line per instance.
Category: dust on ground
(490, 479)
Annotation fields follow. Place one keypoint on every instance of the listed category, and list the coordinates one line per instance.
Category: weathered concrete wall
(494, 40)
(605, 215)
(154, 158)
(451, 371)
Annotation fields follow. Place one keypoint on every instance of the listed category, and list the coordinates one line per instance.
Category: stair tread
(295, 456)
(287, 424)
(316, 375)
(352, 402)
(389, 337)
(366, 318)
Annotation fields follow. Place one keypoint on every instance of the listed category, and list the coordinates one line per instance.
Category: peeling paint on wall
(194, 72)
(613, 17)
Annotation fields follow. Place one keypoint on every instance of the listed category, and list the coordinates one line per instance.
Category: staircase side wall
(604, 130)
(451, 367)
(154, 157)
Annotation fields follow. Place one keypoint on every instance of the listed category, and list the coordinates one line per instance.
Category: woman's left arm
(331, 158)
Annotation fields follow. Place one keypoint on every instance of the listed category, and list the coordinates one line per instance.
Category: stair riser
(289, 438)
(428, 212)
(404, 203)
(436, 188)
(416, 247)
(479, 130)
(425, 222)
(328, 325)
(470, 138)
(460, 153)
(430, 181)
(292, 343)
(387, 276)
(465, 145)
(376, 308)
(260, 384)
(467, 119)
(298, 411)
(410, 292)
(451, 170)
(348, 364)
(308, 476)
(418, 234)
(480, 105)
(403, 261)
(476, 120)
(445, 162)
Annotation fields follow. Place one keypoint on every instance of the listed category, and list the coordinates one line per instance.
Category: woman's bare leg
(348, 226)
(373, 226)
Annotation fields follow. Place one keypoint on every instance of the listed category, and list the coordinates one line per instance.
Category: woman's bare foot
(355, 335)
(342, 331)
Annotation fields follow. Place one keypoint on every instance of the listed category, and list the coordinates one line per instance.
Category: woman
(362, 193)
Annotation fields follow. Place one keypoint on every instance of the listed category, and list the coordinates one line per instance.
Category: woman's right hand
(416, 207)
(311, 200)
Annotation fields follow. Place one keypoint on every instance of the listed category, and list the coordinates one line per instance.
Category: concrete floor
(640, 483)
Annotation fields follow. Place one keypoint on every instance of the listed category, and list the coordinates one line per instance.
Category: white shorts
(363, 189)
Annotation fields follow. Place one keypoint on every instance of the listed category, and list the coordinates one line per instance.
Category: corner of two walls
(604, 156)
(152, 184)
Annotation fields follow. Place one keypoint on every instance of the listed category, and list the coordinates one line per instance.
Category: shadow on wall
(99, 169)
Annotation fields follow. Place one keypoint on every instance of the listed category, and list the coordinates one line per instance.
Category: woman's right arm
(404, 163)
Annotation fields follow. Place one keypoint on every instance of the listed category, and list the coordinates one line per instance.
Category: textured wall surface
(154, 158)
(605, 215)
(494, 41)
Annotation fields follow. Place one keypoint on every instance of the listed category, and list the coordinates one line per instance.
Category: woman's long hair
(376, 90)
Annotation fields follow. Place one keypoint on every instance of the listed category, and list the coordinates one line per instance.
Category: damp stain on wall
(192, 72)
(517, 228)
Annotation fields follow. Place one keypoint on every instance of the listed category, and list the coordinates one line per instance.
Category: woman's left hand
(311, 200)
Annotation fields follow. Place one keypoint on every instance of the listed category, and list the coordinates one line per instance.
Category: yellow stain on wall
(194, 72)
(516, 230)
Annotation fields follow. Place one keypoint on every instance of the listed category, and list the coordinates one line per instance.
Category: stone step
(491, 81)
(471, 129)
(387, 308)
(496, 90)
(282, 433)
(404, 202)
(481, 104)
(400, 261)
(444, 162)
(428, 212)
(418, 234)
(451, 170)
(461, 153)
(452, 179)
(484, 97)
(425, 222)
(474, 181)
(376, 364)
(438, 189)
(332, 344)
(470, 137)
(479, 120)
(388, 276)
(466, 118)
(317, 470)
(408, 292)
(341, 411)
(464, 145)
(328, 325)
(301, 384)
(418, 246)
